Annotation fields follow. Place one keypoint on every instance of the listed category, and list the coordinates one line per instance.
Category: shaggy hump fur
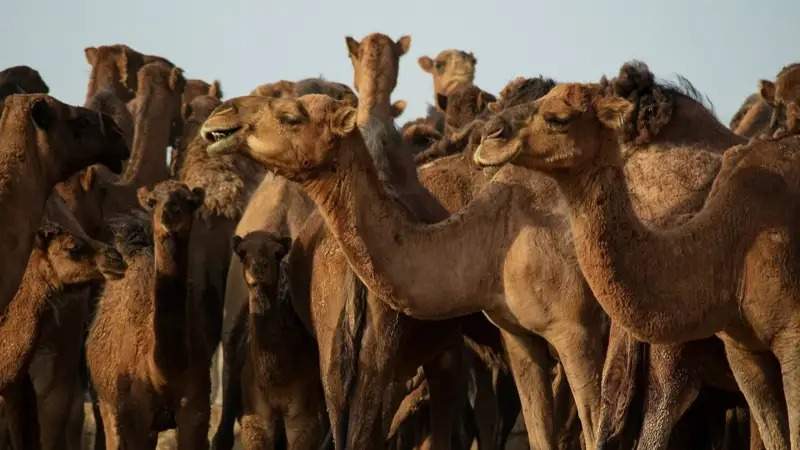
(21, 80)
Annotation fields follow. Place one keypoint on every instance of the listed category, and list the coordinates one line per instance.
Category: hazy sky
(723, 47)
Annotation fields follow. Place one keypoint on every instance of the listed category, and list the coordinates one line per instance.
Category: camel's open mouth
(221, 140)
(490, 152)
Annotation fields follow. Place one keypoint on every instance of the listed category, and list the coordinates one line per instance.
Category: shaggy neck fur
(399, 258)
(660, 286)
(153, 123)
(22, 322)
(169, 300)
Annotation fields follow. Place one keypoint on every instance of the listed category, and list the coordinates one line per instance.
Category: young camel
(282, 396)
(141, 349)
(42, 142)
(726, 271)
(61, 261)
(450, 69)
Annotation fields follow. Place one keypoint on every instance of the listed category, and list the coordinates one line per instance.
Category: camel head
(784, 96)
(261, 253)
(376, 63)
(196, 88)
(114, 67)
(67, 138)
(463, 105)
(450, 69)
(172, 205)
(162, 85)
(294, 137)
(76, 260)
(568, 128)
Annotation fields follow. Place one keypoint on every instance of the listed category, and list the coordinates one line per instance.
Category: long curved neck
(169, 295)
(660, 286)
(426, 271)
(21, 324)
(148, 161)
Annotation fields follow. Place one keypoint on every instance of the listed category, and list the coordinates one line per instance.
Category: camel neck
(148, 161)
(169, 301)
(21, 324)
(427, 271)
(659, 285)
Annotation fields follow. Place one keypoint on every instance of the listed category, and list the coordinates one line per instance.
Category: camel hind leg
(788, 352)
(759, 377)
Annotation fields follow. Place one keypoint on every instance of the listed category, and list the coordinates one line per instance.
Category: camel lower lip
(224, 145)
(497, 160)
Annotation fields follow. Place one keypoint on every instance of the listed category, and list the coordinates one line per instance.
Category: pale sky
(723, 47)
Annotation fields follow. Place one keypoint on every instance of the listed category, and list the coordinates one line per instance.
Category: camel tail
(624, 383)
(347, 344)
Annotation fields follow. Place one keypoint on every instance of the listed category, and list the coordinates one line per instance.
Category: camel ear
(398, 107)
(236, 246)
(473, 58)
(484, 100)
(352, 46)
(198, 196)
(403, 45)
(343, 121)
(91, 55)
(425, 63)
(88, 178)
(767, 90)
(146, 200)
(176, 81)
(612, 111)
(42, 115)
(122, 67)
(494, 107)
(215, 90)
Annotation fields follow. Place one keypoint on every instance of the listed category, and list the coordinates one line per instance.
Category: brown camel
(157, 117)
(197, 88)
(115, 68)
(43, 142)
(21, 80)
(281, 388)
(142, 350)
(450, 69)
(573, 137)
(784, 97)
(753, 117)
(60, 261)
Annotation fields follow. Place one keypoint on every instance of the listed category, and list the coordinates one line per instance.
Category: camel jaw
(488, 154)
(221, 139)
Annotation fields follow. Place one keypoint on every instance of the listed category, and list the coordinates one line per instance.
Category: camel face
(74, 136)
(450, 69)
(376, 51)
(566, 129)
(261, 253)
(464, 104)
(172, 205)
(784, 96)
(114, 68)
(295, 137)
(74, 260)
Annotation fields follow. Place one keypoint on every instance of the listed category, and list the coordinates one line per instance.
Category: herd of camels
(606, 261)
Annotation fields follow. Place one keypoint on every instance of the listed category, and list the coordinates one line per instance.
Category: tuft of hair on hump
(523, 90)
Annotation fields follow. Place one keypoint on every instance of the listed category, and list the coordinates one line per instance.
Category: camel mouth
(490, 153)
(112, 266)
(221, 140)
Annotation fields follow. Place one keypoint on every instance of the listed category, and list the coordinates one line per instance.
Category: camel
(197, 88)
(61, 261)
(784, 97)
(142, 352)
(753, 117)
(282, 397)
(115, 68)
(44, 141)
(21, 80)
(157, 119)
(288, 89)
(573, 138)
(450, 68)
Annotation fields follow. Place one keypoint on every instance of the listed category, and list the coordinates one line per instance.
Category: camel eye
(439, 65)
(558, 121)
(290, 119)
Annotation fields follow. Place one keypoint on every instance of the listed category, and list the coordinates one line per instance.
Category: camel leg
(193, 416)
(258, 431)
(232, 356)
(531, 364)
(21, 415)
(304, 430)
(788, 355)
(758, 376)
(447, 384)
(60, 408)
(110, 422)
(671, 390)
(582, 356)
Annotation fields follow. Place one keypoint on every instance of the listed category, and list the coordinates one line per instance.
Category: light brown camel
(784, 97)
(115, 68)
(450, 69)
(60, 261)
(282, 397)
(142, 350)
(21, 80)
(43, 142)
(157, 118)
(744, 232)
